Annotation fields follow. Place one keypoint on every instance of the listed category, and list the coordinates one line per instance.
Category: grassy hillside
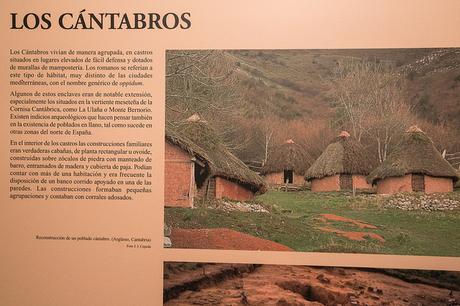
(295, 220)
(435, 85)
(294, 83)
(256, 99)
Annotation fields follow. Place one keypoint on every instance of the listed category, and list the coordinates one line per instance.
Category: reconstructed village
(314, 150)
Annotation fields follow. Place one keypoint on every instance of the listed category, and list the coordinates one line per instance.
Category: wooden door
(346, 182)
(418, 182)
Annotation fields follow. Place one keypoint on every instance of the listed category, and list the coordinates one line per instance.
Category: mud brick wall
(395, 184)
(178, 177)
(359, 182)
(231, 190)
(299, 180)
(438, 184)
(328, 183)
(274, 179)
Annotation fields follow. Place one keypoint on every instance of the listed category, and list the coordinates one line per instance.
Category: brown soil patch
(358, 223)
(299, 285)
(221, 238)
(206, 275)
(358, 236)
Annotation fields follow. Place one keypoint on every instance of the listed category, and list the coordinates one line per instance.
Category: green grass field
(293, 221)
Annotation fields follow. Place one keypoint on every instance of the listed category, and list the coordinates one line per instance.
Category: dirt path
(297, 285)
(357, 236)
(358, 223)
(351, 235)
(221, 238)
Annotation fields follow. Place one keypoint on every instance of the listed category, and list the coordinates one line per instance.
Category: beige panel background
(51, 273)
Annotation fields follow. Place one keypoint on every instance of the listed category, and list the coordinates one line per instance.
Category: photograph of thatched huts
(343, 165)
(199, 166)
(415, 165)
(349, 151)
(286, 165)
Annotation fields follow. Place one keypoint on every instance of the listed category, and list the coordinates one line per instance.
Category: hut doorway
(418, 182)
(288, 176)
(200, 175)
(346, 182)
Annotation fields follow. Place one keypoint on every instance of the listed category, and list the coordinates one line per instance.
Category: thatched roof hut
(199, 139)
(174, 137)
(415, 154)
(344, 155)
(287, 156)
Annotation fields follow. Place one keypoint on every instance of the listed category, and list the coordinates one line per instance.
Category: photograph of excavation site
(346, 151)
(244, 284)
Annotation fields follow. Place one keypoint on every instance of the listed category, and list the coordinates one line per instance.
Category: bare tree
(204, 82)
(267, 139)
(316, 137)
(445, 139)
(201, 82)
(372, 103)
(350, 90)
(268, 128)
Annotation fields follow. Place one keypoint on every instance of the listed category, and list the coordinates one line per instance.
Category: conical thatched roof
(287, 156)
(199, 139)
(415, 153)
(345, 155)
